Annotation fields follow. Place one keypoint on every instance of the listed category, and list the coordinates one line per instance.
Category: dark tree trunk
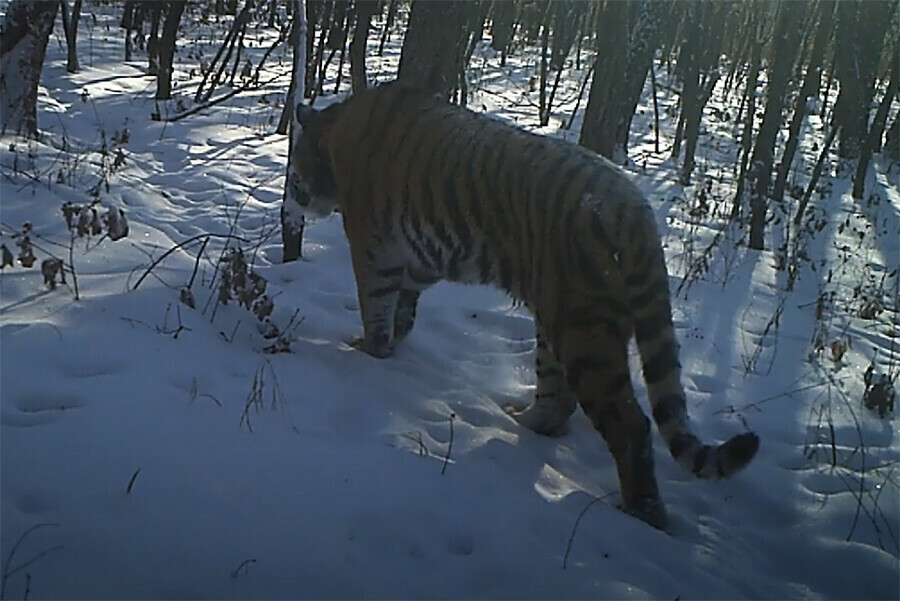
(566, 14)
(504, 16)
(314, 10)
(642, 46)
(785, 45)
(365, 9)
(624, 55)
(129, 22)
(543, 109)
(167, 49)
(273, 11)
(388, 24)
(598, 130)
(810, 81)
(873, 140)
(749, 100)
(814, 177)
(876, 131)
(435, 45)
(322, 19)
(26, 29)
(337, 32)
(706, 51)
(70, 25)
(860, 37)
(155, 13)
(892, 140)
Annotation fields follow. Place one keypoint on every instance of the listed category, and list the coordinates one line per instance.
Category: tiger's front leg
(415, 280)
(379, 274)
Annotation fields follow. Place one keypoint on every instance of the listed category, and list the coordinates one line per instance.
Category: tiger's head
(311, 182)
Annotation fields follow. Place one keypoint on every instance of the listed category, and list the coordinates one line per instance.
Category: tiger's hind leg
(600, 375)
(553, 402)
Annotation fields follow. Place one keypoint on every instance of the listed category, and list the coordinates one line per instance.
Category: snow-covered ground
(152, 450)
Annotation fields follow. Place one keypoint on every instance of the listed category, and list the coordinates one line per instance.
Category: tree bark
(785, 47)
(154, 11)
(26, 29)
(504, 16)
(167, 49)
(434, 46)
(130, 14)
(624, 55)
(705, 75)
(748, 100)
(292, 220)
(70, 25)
(860, 37)
(810, 81)
(365, 9)
(601, 117)
(873, 139)
(892, 140)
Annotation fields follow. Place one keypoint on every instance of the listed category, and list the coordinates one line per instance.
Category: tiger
(431, 191)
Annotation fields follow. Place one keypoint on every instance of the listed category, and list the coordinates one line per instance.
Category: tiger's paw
(538, 420)
(379, 351)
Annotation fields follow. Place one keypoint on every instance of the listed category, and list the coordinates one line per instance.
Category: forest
(182, 414)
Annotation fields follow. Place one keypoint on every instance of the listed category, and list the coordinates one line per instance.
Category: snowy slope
(128, 463)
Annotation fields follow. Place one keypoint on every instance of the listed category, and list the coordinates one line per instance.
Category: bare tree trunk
(504, 16)
(167, 49)
(292, 220)
(810, 81)
(707, 48)
(435, 45)
(816, 174)
(26, 29)
(70, 25)
(876, 131)
(314, 8)
(873, 139)
(601, 115)
(749, 100)
(365, 9)
(861, 32)
(892, 139)
(129, 22)
(154, 9)
(785, 47)
(287, 113)
(624, 55)
(389, 22)
(543, 109)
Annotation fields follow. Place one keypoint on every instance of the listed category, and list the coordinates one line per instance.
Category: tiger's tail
(646, 281)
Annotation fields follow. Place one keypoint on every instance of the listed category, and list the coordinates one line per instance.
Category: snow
(124, 433)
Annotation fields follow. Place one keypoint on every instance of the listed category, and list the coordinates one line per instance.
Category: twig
(449, 446)
(9, 572)
(131, 482)
(222, 98)
(243, 566)
(197, 263)
(178, 246)
(575, 527)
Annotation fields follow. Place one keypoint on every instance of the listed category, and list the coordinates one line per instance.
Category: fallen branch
(220, 99)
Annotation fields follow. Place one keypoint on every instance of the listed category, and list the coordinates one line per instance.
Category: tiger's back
(430, 191)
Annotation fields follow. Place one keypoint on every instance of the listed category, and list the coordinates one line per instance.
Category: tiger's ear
(307, 116)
